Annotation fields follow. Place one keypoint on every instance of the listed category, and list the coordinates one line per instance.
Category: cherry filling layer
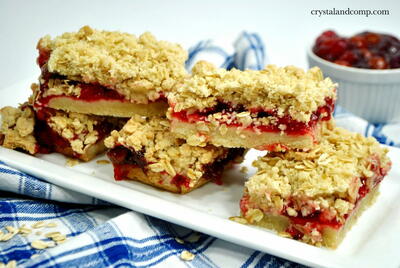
(125, 159)
(293, 127)
(49, 140)
(320, 219)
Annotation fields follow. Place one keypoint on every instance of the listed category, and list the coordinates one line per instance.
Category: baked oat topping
(286, 90)
(61, 87)
(17, 128)
(134, 66)
(77, 128)
(162, 149)
(328, 177)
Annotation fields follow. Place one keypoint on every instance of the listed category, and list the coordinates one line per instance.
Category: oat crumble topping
(77, 128)
(137, 67)
(162, 149)
(287, 90)
(17, 128)
(327, 177)
(61, 87)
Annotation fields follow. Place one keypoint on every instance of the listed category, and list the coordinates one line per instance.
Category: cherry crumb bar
(17, 128)
(146, 151)
(275, 108)
(108, 73)
(316, 196)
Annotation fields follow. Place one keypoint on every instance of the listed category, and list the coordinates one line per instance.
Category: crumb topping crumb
(162, 149)
(17, 128)
(328, 177)
(134, 66)
(61, 87)
(77, 128)
(287, 90)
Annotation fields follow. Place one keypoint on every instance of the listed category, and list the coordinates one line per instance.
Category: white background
(287, 27)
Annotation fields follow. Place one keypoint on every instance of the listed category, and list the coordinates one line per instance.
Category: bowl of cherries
(367, 68)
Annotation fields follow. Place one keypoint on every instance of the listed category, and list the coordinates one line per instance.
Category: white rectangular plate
(372, 242)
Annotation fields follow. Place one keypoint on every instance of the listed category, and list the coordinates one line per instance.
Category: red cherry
(349, 56)
(377, 62)
(357, 41)
(339, 47)
(329, 34)
(324, 49)
(366, 53)
(326, 36)
(372, 38)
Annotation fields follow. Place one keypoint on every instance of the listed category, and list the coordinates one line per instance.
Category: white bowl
(371, 94)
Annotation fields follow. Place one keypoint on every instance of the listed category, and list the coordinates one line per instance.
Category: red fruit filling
(293, 127)
(366, 50)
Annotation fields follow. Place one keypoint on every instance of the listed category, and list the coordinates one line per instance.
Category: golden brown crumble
(77, 128)
(17, 128)
(35, 92)
(324, 178)
(287, 90)
(61, 87)
(137, 67)
(162, 149)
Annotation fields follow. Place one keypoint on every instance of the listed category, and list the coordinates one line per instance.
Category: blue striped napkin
(98, 234)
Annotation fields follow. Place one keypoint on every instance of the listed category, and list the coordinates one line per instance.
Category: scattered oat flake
(11, 229)
(10, 264)
(7, 236)
(39, 224)
(103, 162)
(72, 162)
(38, 233)
(40, 244)
(59, 237)
(51, 225)
(187, 256)
(180, 241)
(52, 234)
(24, 230)
(238, 220)
(61, 241)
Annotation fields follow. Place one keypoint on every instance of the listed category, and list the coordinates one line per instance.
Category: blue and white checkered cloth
(102, 235)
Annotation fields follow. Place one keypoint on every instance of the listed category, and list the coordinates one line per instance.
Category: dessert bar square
(108, 73)
(316, 196)
(272, 109)
(146, 151)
